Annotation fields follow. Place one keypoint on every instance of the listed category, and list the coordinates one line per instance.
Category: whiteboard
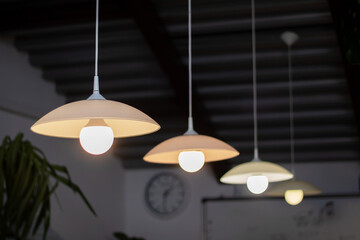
(316, 218)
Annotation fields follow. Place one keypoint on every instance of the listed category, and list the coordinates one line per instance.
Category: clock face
(165, 194)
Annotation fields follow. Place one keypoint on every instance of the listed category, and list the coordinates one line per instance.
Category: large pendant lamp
(190, 150)
(293, 190)
(95, 121)
(256, 174)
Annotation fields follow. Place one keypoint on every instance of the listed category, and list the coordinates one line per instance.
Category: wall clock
(165, 194)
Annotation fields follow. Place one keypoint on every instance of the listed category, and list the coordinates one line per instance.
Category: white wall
(23, 91)
(336, 177)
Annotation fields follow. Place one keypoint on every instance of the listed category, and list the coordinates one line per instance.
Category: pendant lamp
(190, 150)
(95, 121)
(256, 174)
(293, 190)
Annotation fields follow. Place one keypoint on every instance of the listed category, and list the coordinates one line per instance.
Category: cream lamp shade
(190, 150)
(241, 173)
(279, 189)
(68, 120)
(96, 121)
(256, 174)
(168, 151)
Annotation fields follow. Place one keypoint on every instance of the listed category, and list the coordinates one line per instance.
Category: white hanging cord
(291, 111)
(96, 77)
(254, 80)
(190, 125)
(289, 39)
(96, 92)
(97, 38)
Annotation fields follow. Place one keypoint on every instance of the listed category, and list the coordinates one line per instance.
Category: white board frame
(314, 201)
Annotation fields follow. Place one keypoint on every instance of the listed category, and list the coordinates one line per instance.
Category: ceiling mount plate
(289, 38)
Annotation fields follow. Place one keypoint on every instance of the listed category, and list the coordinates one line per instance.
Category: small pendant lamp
(190, 150)
(256, 174)
(95, 121)
(293, 190)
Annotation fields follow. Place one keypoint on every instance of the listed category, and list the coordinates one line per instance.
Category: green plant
(27, 182)
(122, 236)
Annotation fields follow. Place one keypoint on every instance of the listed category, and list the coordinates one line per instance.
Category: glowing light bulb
(257, 184)
(96, 137)
(294, 197)
(191, 161)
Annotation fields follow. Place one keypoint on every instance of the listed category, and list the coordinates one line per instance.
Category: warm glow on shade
(293, 191)
(96, 140)
(191, 161)
(294, 197)
(241, 173)
(167, 152)
(68, 120)
(257, 184)
(96, 123)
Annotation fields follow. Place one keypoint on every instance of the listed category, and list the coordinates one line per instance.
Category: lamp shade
(68, 120)
(279, 189)
(168, 151)
(241, 173)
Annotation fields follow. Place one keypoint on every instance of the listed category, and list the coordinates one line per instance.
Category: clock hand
(165, 197)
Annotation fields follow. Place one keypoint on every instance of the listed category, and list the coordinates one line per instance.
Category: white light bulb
(96, 138)
(294, 197)
(191, 161)
(257, 184)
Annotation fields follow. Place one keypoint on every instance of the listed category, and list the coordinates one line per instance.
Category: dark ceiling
(143, 58)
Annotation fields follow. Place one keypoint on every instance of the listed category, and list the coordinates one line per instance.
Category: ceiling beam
(21, 16)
